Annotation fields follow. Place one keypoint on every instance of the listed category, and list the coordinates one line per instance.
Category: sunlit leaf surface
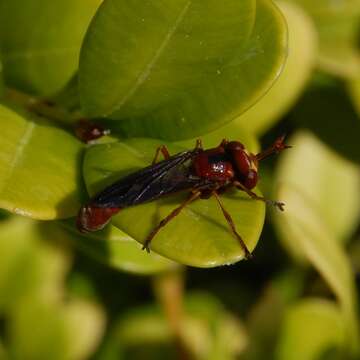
(115, 248)
(337, 23)
(165, 73)
(318, 214)
(32, 297)
(292, 81)
(325, 179)
(311, 327)
(40, 41)
(40, 167)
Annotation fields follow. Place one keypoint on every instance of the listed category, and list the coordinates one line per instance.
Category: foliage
(155, 73)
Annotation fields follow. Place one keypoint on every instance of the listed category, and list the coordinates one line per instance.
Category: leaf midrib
(19, 150)
(144, 74)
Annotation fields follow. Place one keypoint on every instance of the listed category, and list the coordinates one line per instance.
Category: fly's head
(245, 164)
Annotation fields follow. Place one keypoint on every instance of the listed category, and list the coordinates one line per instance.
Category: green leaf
(199, 236)
(23, 247)
(354, 90)
(208, 330)
(115, 248)
(40, 41)
(32, 292)
(39, 167)
(231, 131)
(84, 328)
(63, 331)
(325, 179)
(315, 322)
(328, 112)
(292, 81)
(165, 73)
(337, 24)
(266, 314)
(318, 188)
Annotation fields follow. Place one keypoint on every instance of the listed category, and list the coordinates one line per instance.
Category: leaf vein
(24, 140)
(144, 74)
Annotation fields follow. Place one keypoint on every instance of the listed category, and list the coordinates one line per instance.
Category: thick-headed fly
(201, 173)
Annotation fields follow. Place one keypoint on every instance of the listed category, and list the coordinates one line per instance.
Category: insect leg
(164, 221)
(163, 149)
(278, 146)
(223, 143)
(198, 144)
(280, 205)
(232, 226)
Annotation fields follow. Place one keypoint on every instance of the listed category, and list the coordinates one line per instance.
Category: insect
(202, 173)
(88, 131)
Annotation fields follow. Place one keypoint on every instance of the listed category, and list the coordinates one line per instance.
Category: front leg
(193, 196)
(280, 205)
(164, 150)
(232, 226)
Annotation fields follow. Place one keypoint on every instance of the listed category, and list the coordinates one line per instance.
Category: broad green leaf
(231, 131)
(311, 327)
(337, 23)
(328, 112)
(40, 41)
(199, 236)
(313, 184)
(20, 244)
(266, 314)
(39, 167)
(84, 328)
(209, 331)
(32, 292)
(325, 179)
(169, 72)
(63, 331)
(113, 247)
(293, 79)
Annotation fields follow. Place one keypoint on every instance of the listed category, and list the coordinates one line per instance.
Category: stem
(169, 291)
(39, 107)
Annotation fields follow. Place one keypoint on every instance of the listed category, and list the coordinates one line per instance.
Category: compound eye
(242, 162)
(235, 146)
(251, 179)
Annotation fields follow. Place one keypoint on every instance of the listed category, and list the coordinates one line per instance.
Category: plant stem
(40, 107)
(169, 291)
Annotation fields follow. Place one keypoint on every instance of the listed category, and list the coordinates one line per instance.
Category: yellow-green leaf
(311, 327)
(182, 69)
(113, 247)
(40, 41)
(293, 79)
(318, 189)
(337, 23)
(40, 167)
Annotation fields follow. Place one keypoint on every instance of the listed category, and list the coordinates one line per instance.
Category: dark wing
(150, 183)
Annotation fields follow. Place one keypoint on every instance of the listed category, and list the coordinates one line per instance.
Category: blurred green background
(168, 72)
